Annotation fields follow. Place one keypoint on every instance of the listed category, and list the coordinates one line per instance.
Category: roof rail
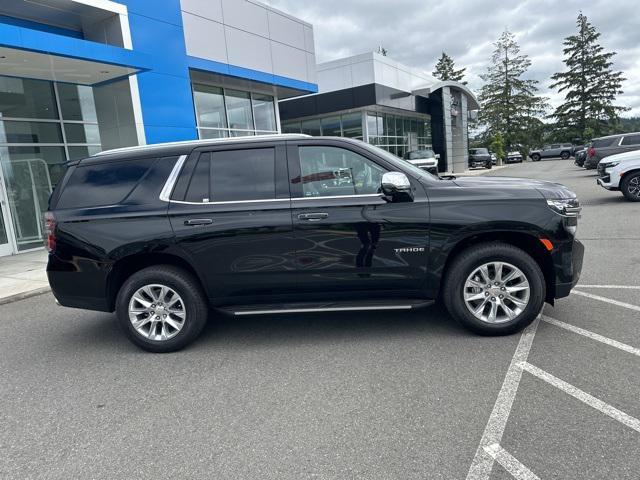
(212, 141)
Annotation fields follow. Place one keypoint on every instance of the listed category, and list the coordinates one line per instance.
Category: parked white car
(621, 172)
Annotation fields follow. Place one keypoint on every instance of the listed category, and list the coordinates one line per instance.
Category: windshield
(402, 164)
(479, 151)
(416, 154)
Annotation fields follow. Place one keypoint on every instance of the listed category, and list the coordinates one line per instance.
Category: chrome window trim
(165, 194)
(367, 195)
(231, 202)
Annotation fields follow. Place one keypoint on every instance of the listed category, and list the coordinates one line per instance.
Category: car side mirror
(396, 187)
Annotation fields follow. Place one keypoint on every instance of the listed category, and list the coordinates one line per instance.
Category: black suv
(480, 157)
(290, 223)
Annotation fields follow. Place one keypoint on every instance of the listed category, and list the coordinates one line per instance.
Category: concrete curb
(24, 295)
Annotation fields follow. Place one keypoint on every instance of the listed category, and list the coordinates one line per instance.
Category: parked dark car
(562, 150)
(479, 157)
(580, 157)
(289, 224)
(602, 147)
(425, 159)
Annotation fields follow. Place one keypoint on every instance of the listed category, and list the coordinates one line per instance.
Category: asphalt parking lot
(383, 395)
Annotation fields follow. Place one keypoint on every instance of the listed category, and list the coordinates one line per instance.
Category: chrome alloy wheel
(157, 312)
(634, 186)
(496, 292)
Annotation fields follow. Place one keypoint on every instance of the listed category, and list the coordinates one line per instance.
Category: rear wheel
(494, 289)
(161, 309)
(630, 187)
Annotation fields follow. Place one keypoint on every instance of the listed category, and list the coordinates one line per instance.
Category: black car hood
(547, 189)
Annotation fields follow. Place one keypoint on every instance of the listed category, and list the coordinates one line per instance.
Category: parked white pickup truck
(621, 172)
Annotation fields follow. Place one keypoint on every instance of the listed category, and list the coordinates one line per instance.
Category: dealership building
(81, 76)
(383, 102)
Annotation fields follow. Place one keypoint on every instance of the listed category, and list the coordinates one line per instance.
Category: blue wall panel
(165, 91)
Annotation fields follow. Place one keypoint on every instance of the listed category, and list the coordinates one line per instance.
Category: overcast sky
(415, 32)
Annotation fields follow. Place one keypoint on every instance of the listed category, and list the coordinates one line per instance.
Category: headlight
(611, 165)
(569, 209)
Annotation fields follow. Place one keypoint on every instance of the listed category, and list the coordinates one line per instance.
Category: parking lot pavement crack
(510, 463)
(583, 396)
(482, 463)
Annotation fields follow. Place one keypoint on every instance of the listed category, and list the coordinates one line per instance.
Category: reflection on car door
(348, 237)
(230, 212)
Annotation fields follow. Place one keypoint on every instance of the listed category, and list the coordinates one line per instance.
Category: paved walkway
(23, 275)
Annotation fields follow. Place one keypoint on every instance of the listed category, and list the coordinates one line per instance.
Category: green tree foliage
(510, 103)
(497, 146)
(590, 85)
(445, 70)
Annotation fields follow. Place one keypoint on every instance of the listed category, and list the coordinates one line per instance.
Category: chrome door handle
(313, 217)
(198, 221)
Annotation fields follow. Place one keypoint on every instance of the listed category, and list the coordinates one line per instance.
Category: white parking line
(593, 336)
(617, 287)
(510, 463)
(483, 462)
(607, 300)
(583, 396)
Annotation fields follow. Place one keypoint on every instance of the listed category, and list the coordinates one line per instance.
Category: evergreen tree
(445, 70)
(510, 104)
(590, 85)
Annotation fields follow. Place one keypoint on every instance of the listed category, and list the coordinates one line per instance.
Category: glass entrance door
(6, 247)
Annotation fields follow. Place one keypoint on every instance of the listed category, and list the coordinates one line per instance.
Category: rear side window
(234, 175)
(103, 184)
(603, 142)
(631, 140)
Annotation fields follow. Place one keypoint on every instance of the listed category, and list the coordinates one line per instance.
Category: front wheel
(565, 155)
(494, 289)
(535, 157)
(161, 309)
(630, 187)
(488, 165)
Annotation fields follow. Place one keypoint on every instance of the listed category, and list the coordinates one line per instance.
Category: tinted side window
(603, 142)
(198, 189)
(103, 183)
(331, 171)
(631, 140)
(243, 175)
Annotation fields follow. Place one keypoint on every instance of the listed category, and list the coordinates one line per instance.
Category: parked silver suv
(562, 150)
(604, 146)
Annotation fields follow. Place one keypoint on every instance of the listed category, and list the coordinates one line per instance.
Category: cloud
(415, 32)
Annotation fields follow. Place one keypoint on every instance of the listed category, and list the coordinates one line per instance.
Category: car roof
(182, 148)
(616, 135)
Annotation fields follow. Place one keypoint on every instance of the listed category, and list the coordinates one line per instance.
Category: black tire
(473, 257)
(488, 165)
(565, 155)
(630, 185)
(535, 157)
(189, 290)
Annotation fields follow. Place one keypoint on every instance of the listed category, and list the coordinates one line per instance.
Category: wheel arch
(127, 266)
(528, 242)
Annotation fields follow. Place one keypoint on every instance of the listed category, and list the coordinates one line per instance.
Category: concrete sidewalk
(23, 275)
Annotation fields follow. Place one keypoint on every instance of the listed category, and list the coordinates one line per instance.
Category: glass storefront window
(82, 133)
(264, 112)
(23, 98)
(76, 153)
(77, 102)
(30, 132)
(311, 127)
(209, 102)
(207, 133)
(352, 125)
(239, 110)
(291, 127)
(372, 125)
(331, 127)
